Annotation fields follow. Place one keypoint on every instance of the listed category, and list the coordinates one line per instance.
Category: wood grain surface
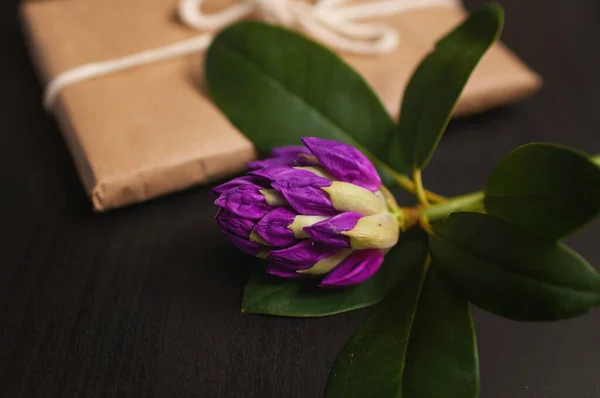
(144, 301)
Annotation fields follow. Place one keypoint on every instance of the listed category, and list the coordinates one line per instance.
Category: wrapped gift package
(152, 130)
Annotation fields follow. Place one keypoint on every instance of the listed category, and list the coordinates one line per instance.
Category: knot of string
(337, 23)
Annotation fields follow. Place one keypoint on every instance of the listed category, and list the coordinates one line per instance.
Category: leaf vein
(301, 101)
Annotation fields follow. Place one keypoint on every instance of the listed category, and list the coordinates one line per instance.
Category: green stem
(469, 202)
(419, 190)
(408, 185)
(403, 181)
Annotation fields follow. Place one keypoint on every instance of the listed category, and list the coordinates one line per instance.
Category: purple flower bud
(247, 179)
(349, 197)
(311, 212)
(233, 224)
(302, 255)
(344, 162)
(329, 232)
(379, 231)
(273, 228)
(285, 156)
(355, 269)
(247, 200)
(283, 272)
(246, 246)
(302, 189)
(270, 173)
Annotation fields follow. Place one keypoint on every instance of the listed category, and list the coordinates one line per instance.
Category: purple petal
(302, 190)
(284, 156)
(344, 162)
(233, 224)
(246, 246)
(247, 179)
(283, 272)
(273, 162)
(273, 227)
(302, 255)
(270, 173)
(279, 162)
(244, 201)
(329, 231)
(289, 151)
(357, 268)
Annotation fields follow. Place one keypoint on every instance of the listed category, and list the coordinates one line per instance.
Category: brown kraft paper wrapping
(149, 131)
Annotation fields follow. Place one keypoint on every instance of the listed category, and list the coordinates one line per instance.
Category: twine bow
(337, 23)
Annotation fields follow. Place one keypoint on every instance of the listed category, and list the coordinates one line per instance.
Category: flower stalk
(321, 210)
(469, 202)
(419, 189)
(409, 186)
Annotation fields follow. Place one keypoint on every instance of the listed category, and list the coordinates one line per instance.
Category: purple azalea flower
(311, 211)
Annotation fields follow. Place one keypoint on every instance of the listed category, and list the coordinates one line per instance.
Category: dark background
(144, 301)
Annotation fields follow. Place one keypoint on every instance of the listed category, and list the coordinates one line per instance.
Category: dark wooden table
(144, 301)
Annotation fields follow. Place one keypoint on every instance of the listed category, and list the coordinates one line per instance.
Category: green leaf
(510, 271)
(437, 83)
(268, 295)
(419, 343)
(549, 189)
(442, 345)
(276, 86)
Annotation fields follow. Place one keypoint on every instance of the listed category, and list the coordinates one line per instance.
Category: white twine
(330, 21)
